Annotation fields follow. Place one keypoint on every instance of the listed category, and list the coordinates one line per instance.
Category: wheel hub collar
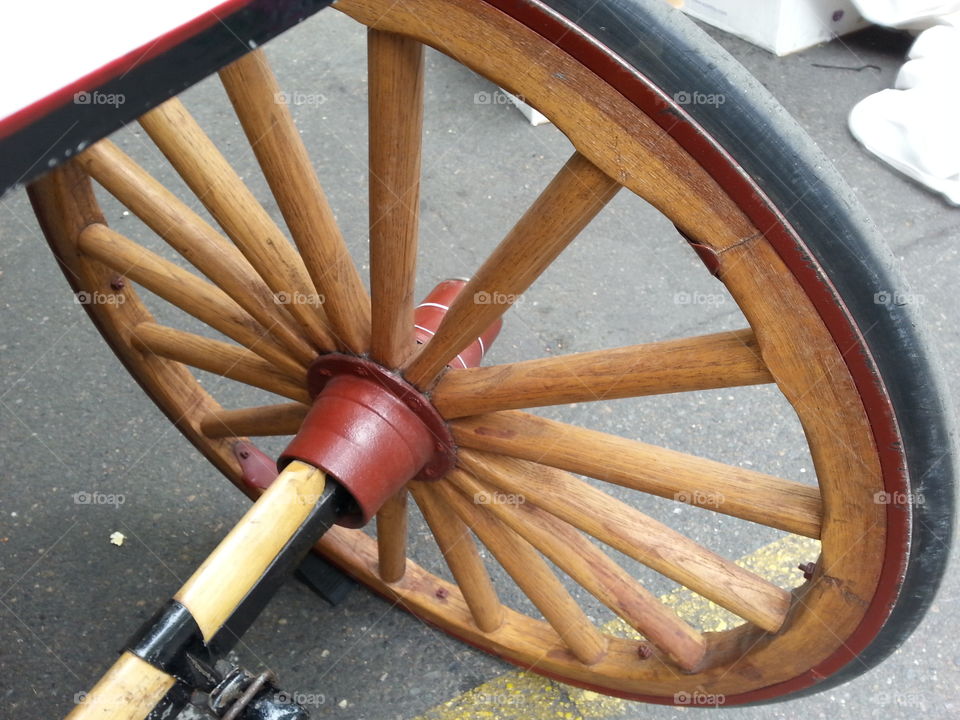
(370, 429)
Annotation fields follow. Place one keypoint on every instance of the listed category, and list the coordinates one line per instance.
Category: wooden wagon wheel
(766, 232)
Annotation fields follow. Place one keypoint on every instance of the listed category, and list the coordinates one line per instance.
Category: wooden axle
(280, 527)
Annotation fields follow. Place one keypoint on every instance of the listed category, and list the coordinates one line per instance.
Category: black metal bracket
(244, 696)
(171, 641)
(326, 580)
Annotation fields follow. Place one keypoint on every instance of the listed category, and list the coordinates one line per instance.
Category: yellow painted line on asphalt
(522, 695)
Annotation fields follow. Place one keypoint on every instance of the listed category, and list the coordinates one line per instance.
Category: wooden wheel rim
(66, 206)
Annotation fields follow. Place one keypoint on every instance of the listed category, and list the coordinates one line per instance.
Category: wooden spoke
(216, 357)
(746, 494)
(533, 575)
(395, 72)
(392, 537)
(223, 193)
(262, 421)
(204, 301)
(275, 140)
(592, 568)
(637, 535)
(188, 234)
(462, 557)
(574, 196)
(722, 360)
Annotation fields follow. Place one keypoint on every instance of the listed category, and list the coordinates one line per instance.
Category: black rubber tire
(678, 57)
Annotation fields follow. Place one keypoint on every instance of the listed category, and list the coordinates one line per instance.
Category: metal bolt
(362, 371)
(807, 569)
(118, 283)
(244, 454)
(644, 651)
(324, 372)
(442, 593)
(430, 472)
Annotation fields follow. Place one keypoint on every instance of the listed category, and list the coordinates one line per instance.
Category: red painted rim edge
(790, 247)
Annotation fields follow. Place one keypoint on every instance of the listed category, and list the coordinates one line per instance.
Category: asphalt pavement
(72, 423)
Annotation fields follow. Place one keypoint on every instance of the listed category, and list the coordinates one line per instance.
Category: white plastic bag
(916, 127)
(911, 14)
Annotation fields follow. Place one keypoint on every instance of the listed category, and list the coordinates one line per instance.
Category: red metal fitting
(429, 313)
(259, 469)
(364, 436)
(333, 365)
(369, 428)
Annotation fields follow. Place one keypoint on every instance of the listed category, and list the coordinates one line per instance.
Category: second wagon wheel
(752, 198)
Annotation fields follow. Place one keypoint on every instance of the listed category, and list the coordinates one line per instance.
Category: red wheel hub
(369, 428)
